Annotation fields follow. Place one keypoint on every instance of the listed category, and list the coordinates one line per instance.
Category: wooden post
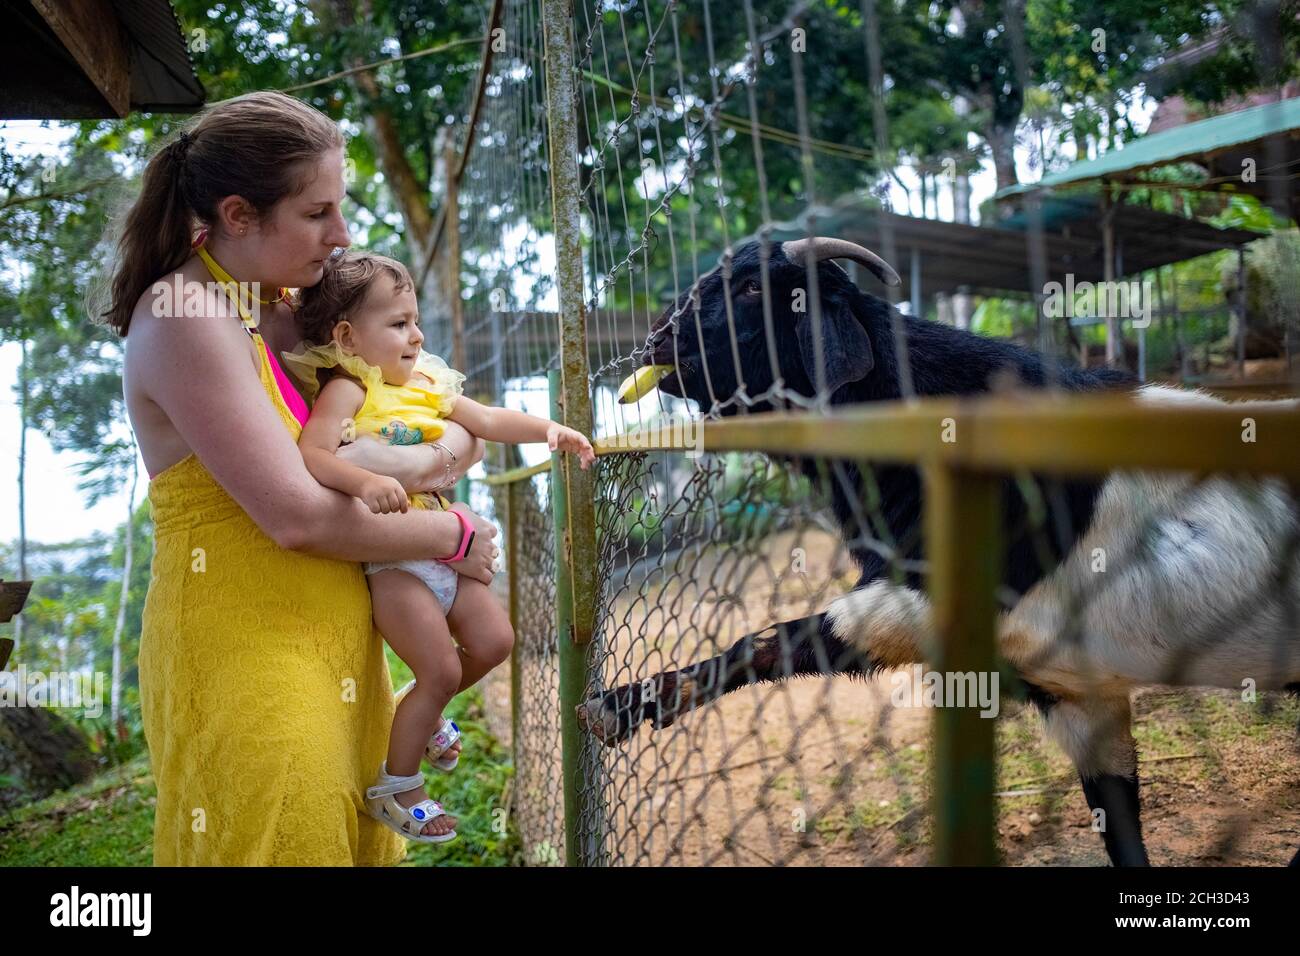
(1142, 339)
(917, 305)
(13, 595)
(572, 659)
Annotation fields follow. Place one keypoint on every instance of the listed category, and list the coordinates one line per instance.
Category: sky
(52, 480)
(54, 511)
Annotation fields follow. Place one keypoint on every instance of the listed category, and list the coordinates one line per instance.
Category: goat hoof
(605, 720)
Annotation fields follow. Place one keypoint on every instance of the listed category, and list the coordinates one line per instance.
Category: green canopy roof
(1197, 142)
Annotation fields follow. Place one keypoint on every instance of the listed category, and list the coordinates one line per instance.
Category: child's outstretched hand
(566, 439)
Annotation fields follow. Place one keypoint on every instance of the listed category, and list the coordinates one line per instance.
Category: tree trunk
(961, 199)
(963, 307)
(22, 485)
(1002, 143)
(410, 196)
(119, 627)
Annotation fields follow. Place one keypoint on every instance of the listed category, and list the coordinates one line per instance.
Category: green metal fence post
(514, 517)
(572, 655)
(575, 401)
(574, 489)
(963, 548)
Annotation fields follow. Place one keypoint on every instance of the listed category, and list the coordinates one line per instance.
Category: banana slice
(640, 383)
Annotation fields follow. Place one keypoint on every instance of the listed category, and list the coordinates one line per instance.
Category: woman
(265, 691)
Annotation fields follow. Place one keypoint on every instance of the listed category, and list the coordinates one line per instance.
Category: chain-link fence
(775, 594)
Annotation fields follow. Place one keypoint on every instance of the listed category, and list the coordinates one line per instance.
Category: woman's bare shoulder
(173, 352)
(189, 316)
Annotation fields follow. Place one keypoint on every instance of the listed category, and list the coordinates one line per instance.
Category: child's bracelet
(446, 468)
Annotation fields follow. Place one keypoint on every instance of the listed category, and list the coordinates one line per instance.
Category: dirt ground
(830, 772)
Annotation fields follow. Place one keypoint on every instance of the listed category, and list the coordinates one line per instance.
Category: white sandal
(440, 742)
(407, 821)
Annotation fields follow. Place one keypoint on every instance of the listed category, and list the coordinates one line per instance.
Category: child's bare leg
(482, 628)
(409, 617)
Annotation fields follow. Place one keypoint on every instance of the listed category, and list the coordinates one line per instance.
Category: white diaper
(439, 578)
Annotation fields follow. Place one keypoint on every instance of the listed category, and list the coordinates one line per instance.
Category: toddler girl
(362, 333)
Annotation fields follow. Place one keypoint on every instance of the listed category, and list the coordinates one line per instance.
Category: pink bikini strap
(297, 406)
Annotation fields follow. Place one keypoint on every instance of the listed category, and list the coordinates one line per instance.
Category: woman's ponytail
(155, 235)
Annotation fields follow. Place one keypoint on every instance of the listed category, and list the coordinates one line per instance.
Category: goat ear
(845, 345)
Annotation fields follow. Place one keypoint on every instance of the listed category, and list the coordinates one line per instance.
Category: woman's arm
(200, 375)
(418, 467)
(339, 401)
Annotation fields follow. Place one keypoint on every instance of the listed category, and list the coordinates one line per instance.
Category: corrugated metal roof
(162, 75)
(994, 258)
(1195, 142)
(42, 78)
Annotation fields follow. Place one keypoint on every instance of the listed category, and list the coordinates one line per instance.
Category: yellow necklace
(234, 289)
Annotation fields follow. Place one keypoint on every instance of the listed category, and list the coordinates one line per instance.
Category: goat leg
(1116, 796)
(1096, 733)
(801, 647)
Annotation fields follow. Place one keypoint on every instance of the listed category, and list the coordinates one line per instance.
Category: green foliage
(70, 614)
(120, 743)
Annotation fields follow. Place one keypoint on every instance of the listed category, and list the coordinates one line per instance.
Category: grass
(108, 821)
(1182, 737)
(475, 793)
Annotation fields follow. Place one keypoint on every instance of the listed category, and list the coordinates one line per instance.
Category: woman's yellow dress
(266, 695)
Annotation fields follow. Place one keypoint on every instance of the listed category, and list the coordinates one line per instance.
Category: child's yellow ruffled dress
(400, 414)
(265, 692)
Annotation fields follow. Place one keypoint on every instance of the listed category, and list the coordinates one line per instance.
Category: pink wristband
(467, 538)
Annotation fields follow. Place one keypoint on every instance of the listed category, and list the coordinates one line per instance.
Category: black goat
(879, 625)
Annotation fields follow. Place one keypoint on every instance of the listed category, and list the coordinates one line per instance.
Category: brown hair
(254, 146)
(342, 289)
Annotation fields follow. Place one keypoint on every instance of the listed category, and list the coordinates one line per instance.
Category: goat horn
(822, 247)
